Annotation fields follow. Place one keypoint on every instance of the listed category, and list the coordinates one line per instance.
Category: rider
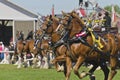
(107, 23)
(21, 35)
(30, 35)
(80, 3)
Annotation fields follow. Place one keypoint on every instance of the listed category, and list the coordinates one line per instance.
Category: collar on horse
(81, 37)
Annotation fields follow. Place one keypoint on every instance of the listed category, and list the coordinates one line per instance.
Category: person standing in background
(6, 59)
(107, 23)
(1, 49)
(118, 25)
(11, 48)
(80, 3)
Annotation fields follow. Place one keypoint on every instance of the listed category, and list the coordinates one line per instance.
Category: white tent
(13, 12)
(9, 10)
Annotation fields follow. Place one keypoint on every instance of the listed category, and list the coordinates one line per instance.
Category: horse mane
(76, 24)
(74, 14)
(55, 21)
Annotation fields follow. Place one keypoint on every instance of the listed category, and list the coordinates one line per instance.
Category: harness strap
(96, 40)
(92, 47)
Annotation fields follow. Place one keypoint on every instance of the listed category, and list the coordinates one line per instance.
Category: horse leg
(91, 71)
(50, 58)
(56, 60)
(35, 59)
(59, 58)
(13, 59)
(67, 72)
(59, 66)
(112, 74)
(25, 60)
(104, 68)
(113, 62)
(77, 65)
(19, 61)
(34, 62)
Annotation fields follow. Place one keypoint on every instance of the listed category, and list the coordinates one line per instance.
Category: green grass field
(10, 72)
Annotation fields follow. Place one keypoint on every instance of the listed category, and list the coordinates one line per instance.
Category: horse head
(73, 23)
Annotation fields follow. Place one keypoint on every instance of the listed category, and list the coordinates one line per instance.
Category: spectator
(11, 48)
(98, 22)
(118, 25)
(1, 49)
(99, 16)
(6, 59)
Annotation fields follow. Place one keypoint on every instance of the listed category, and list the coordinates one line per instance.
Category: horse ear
(50, 16)
(73, 11)
(47, 18)
(76, 16)
(55, 18)
(64, 14)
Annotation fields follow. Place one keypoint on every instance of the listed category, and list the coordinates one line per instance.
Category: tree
(109, 8)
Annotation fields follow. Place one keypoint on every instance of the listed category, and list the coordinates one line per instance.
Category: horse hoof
(60, 69)
(83, 74)
(25, 65)
(18, 67)
(92, 77)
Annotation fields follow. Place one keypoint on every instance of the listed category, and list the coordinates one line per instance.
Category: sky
(44, 7)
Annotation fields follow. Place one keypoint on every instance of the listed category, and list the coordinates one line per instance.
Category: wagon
(102, 31)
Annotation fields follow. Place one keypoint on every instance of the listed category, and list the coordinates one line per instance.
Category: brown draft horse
(61, 56)
(19, 47)
(22, 47)
(42, 47)
(118, 46)
(29, 47)
(109, 46)
(75, 49)
(80, 52)
(61, 53)
(114, 48)
(118, 39)
(51, 26)
(46, 29)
